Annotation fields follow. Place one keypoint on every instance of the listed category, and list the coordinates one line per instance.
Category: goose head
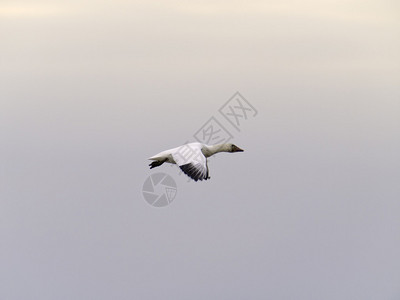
(234, 148)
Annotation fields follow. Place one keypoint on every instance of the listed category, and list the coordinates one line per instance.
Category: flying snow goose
(192, 158)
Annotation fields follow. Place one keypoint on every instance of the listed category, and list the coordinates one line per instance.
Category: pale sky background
(310, 210)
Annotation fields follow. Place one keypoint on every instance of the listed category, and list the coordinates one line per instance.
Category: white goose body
(192, 158)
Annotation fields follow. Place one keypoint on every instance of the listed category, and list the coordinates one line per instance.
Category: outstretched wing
(192, 162)
(195, 171)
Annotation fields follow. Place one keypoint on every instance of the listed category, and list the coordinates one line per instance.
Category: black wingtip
(194, 173)
(156, 163)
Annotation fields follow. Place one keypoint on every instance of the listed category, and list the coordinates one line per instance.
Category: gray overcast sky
(89, 91)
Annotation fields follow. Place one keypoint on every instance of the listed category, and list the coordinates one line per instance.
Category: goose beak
(238, 149)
